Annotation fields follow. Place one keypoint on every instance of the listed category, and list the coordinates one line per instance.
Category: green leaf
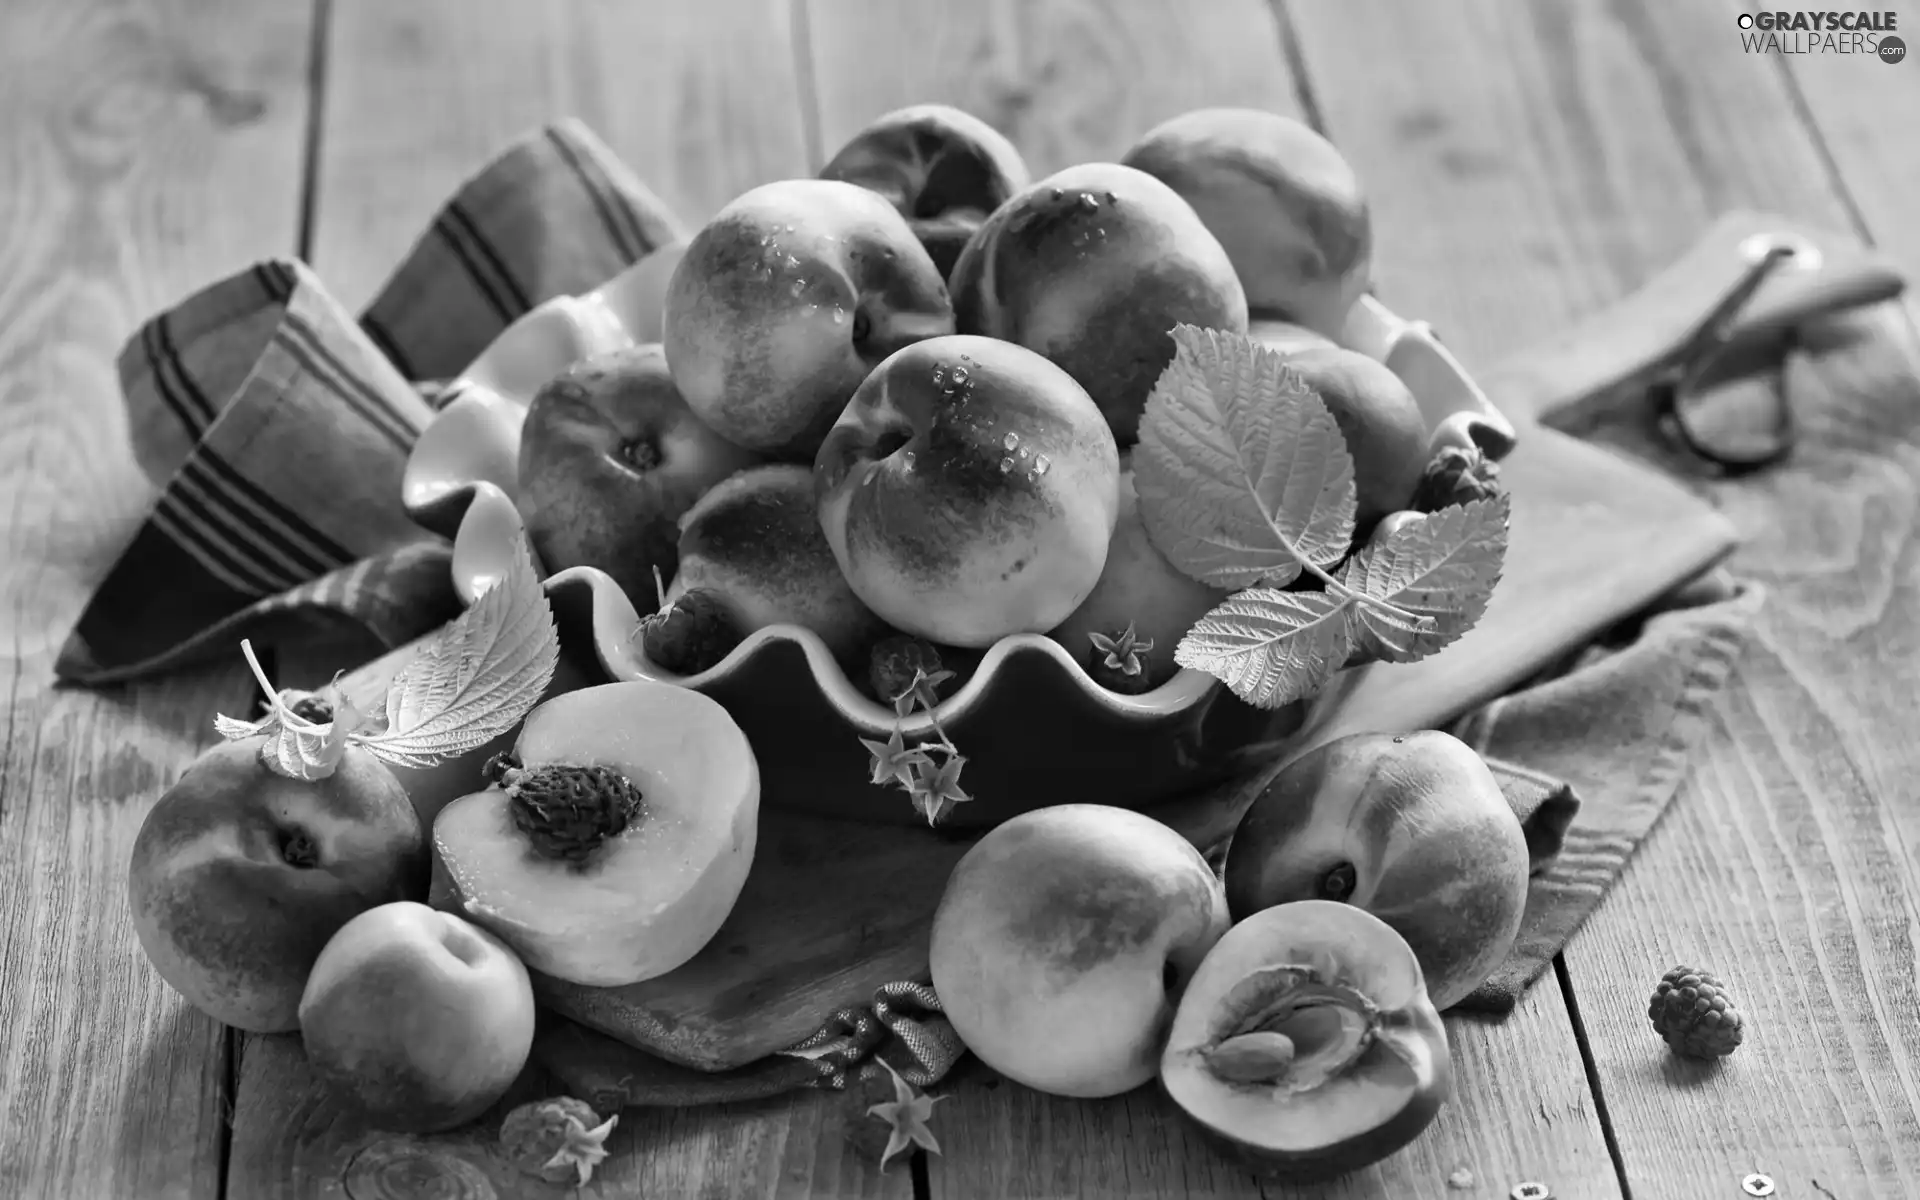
(1271, 647)
(1242, 474)
(1442, 566)
(476, 678)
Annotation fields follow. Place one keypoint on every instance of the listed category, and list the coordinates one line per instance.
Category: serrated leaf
(1271, 647)
(1242, 474)
(1442, 567)
(477, 678)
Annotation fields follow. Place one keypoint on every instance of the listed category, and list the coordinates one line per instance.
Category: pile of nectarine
(899, 398)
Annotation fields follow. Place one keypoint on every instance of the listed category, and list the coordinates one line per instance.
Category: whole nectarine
(1411, 827)
(969, 491)
(1063, 941)
(240, 876)
(1093, 267)
(755, 545)
(416, 1018)
(943, 168)
(784, 302)
(1284, 203)
(611, 457)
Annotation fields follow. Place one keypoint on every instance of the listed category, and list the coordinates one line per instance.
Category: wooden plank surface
(1855, 105)
(1071, 81)
(144, 150)
(701, 101)
(1595, 142)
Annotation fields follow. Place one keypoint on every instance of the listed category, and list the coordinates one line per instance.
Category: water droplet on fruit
(1112, 199)
(1010, 441)
(839, 315)
(939, 376)
(786, 229)
(907, 460)
(1080, 238)
(1006, 465)
(1100, 233)
(1023, 452)
(1041, 464)
(798, 287)
(867, 479)
(1058, 194)
(959, 377)
(1089, 203)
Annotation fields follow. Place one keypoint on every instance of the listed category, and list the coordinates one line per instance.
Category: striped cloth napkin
(274, 427)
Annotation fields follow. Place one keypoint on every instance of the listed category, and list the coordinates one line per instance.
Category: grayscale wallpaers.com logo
(1870, 33)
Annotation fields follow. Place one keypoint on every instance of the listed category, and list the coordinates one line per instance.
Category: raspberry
(690, 635)
(1456, 475)
(892, 665)
(557, 1140)
(1690, 1009)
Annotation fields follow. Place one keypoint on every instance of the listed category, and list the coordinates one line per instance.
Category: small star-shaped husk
(582, 1149)
(935, 790)
(1123, 653)
(923, 693)
(907, 1115)
(894, 761)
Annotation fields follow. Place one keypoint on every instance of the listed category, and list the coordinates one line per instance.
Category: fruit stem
(299, 851)
(266, 685)
(1365, 600)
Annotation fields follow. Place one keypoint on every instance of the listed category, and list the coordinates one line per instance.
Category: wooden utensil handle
(1627, 344)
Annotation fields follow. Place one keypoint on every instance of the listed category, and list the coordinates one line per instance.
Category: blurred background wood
(1527, 165)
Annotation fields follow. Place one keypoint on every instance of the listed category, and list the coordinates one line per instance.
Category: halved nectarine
(1305, 1044)
(616, 841)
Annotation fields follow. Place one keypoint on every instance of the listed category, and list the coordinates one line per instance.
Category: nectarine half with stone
(616, 840)
(1306, 1045)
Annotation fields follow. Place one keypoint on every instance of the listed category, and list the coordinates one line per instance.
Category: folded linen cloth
(275, 428)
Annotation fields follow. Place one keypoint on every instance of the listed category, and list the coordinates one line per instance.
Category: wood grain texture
(1067, 80)
(292, 1139)
(1856, 105)
(698, 99)
(1594, 142)
(145, 149)
(1071, 81)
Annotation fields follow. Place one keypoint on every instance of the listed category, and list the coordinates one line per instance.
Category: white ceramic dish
(1036, 729)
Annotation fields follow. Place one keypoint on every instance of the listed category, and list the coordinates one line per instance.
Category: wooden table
(1527, 162)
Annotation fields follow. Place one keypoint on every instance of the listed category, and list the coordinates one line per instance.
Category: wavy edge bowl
(804, 717)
